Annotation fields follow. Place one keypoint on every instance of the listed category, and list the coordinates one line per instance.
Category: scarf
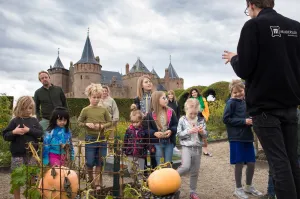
(201, 102)
(145, 103)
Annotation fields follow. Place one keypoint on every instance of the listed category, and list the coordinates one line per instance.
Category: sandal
(207, 154)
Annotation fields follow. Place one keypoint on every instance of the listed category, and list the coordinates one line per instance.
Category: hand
(248, 121)
(158, 134)
(193, 130)
(168, 133)
(25, 129)
(18, 131)
(97, 126)
(90, 125)
(200, 130)
(228, 56)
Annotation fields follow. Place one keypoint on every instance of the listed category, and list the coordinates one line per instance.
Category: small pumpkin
(59, 183)
(164, 181)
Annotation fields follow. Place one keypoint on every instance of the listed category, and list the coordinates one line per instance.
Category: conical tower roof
(139, 67)
(58, 63)
(87, 56)
(155, 74)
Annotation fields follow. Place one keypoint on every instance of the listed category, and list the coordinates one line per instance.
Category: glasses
(164, 98)
(246, 12)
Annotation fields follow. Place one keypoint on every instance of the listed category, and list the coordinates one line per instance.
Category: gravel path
(216, 179)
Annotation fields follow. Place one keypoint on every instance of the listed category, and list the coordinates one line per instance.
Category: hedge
(221, 89)
(75, 105)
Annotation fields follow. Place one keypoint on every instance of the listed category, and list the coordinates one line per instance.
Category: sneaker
(194, 196)
(240, 193)
(251, 190)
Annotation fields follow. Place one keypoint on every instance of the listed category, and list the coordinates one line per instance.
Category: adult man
(268, 58)
(47, 98)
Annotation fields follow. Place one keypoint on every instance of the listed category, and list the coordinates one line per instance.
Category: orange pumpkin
(164, 181)
(58, 183)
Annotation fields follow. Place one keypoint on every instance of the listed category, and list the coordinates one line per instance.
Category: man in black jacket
(268, 58)
(47, 98)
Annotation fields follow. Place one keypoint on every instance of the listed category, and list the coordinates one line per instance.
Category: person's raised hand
(228, 56)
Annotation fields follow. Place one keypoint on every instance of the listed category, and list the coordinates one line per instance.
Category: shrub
(5, 117)
(178, 92)
(215, 122)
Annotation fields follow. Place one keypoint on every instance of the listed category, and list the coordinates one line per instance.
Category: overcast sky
(194, 32)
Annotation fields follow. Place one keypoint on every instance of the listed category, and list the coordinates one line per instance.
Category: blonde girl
(21, 130)
(95, 119)
(162, 126)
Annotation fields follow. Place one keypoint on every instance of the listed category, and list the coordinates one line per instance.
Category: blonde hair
(22, 105)
(172, 93)
(43, 72)
(93, 89)
(135, 114)
(236, 83)
(139, 88)
(155, 106)
(191, 103)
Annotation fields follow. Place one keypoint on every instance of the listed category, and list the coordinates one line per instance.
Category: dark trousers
(277, 133)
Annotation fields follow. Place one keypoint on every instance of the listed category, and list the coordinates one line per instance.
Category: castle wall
(84, 75)
(60, 77)
(174, 84)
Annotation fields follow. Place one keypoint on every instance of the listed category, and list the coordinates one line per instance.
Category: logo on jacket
(275, 31)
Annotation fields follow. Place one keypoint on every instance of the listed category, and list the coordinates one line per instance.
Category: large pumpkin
(164, 181)
(59, 183)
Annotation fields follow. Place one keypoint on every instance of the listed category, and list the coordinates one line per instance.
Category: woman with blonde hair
(172, 103)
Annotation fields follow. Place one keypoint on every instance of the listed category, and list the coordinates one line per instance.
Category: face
(136, 124)
(237, 93)
(250, 10)
(61, 122)
(170, 96)
(194, 93)
(28, 111)
(105, 93)
(147, 84)
(95, 99)
(44, 79)
(192, 113)
(163, 101)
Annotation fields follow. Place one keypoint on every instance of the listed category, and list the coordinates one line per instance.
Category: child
(143, 103)
(162, 126)
(57, 139)
(135, 140)
(22, 129)
(240, 137)
(203, 112)
(190, 131)
(95, 119)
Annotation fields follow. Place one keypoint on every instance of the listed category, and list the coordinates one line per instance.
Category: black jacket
(174, 105)
(150, 127)
(235, 119)
(46, 100)
(19, 142)
(269, 60)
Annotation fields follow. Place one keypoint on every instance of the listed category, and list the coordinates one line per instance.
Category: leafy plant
(24, 175)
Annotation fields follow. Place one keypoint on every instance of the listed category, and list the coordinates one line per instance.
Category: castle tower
(172, 81)
(86, 71)
(59, 75)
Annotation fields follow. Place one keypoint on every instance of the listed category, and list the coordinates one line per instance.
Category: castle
(89, 70)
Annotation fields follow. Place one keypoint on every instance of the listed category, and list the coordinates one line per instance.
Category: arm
(115, 110)
(63, 98)
(182, 131)
(245, 62)
(125, 142)
(37, 130)
(46, 148)
(37, 106)
(82, 118)
(228, 119)
(204, 134)
(8, 131)
(107, 118)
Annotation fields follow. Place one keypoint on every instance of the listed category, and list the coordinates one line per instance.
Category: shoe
(251, 190)
(240, 193)
(193, 195)
(267, 196)
(207, 154)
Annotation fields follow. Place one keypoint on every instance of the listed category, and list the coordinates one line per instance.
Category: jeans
(95, 152)
(164, 150)
(277, 133)
(271, 191)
